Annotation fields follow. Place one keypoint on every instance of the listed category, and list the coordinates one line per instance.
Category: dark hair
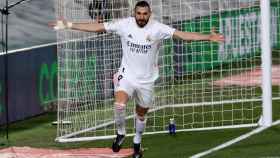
(142, 4)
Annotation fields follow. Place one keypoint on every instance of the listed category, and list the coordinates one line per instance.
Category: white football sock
(120, 118)
(140, 126)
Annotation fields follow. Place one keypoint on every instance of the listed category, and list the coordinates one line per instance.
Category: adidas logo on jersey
(130, 36)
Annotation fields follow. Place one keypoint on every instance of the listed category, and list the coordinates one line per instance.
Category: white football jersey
(140, 47)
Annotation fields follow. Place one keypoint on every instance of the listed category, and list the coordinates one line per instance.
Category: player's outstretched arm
(89, 27)
(193, 36)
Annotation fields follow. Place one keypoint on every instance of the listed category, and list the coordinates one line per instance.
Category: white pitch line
(233, 141)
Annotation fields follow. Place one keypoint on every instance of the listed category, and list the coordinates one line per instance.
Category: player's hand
(60, 24)
(216, 37)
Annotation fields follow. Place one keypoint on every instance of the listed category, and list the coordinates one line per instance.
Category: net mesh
(202, 84)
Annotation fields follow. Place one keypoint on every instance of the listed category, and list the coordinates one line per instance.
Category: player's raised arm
(89, 26)
(193, 36)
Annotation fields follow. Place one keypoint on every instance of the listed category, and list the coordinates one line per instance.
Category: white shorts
(143, 93)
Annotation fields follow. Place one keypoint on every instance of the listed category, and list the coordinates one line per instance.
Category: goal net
(202, 85)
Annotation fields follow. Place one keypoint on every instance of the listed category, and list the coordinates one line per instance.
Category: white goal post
(202, 85)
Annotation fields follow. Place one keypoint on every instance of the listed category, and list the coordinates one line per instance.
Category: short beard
(141, 24)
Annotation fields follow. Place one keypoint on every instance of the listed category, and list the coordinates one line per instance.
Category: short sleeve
(115, 26)
(165, 31)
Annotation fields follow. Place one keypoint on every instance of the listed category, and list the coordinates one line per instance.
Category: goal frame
(266, 118)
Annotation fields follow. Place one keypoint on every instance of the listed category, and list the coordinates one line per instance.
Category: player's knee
(140, 117)
(140, 114)
(119, 106)
(141, 111)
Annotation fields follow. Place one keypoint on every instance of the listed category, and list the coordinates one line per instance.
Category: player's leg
(144, 99)
(123, 90)
(140, 123)
(121, 99)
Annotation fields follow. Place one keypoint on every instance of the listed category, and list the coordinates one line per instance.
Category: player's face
(142, 16)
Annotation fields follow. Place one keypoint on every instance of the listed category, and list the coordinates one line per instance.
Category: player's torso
(140, 42)
(140, 49)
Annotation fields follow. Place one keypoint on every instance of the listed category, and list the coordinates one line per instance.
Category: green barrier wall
(241, 29)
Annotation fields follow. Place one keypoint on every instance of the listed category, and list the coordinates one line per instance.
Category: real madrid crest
(149, 39)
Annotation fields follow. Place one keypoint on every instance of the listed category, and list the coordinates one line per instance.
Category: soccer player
(140, 37)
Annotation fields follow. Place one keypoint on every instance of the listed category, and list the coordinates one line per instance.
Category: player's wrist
(209, 37)
(69, 25)
(60, 25)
